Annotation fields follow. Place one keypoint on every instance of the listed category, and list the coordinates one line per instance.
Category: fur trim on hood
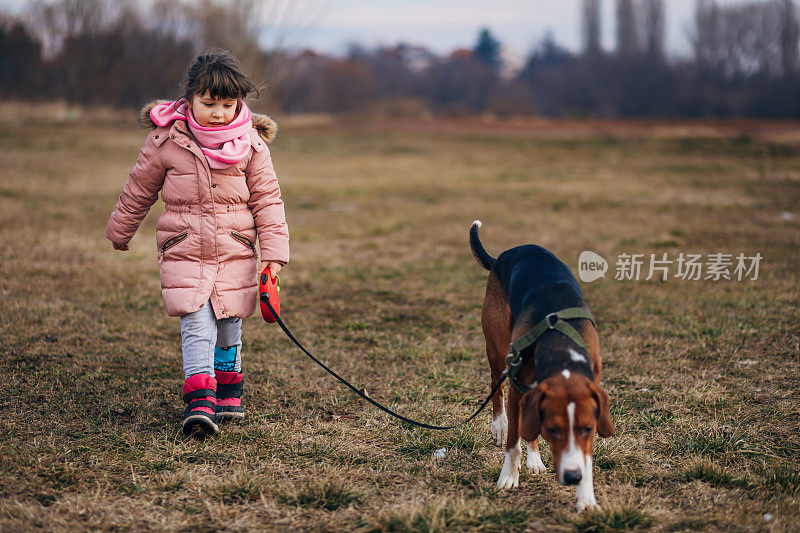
(266, 127)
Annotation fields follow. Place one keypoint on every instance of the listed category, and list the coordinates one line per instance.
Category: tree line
(744, 62)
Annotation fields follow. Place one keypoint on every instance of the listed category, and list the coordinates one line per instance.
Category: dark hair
(216, 70)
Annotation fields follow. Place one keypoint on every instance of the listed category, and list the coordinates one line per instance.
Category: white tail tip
(477, 224)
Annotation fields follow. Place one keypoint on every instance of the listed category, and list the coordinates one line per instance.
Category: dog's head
(567, 410)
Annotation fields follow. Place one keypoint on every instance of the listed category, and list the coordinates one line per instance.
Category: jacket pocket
(244, 239)
(172, 241)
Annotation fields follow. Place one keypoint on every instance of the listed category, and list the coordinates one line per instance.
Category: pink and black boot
(229, 396)
(200, 418)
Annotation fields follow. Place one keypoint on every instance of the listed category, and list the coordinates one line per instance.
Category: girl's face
(212, 112)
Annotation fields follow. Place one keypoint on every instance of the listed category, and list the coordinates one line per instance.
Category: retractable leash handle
(268, 290)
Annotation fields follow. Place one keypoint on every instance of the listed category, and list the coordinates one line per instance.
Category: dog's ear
(605, 427)
(530, 418)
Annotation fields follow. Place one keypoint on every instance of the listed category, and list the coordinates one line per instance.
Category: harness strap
(556, 321)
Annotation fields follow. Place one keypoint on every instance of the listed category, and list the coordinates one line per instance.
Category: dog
(533, 303)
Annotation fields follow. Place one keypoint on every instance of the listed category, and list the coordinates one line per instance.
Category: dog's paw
(585, 501)
(588, 507)
(499, 430)
(508, 481)
(534, 462)
(509, 475)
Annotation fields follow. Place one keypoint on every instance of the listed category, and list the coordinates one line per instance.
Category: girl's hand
(123, 247)
(274, 267)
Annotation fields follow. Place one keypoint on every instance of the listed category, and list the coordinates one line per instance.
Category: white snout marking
(566, 375)
(576, 356)
(573, 458)
(477, 224)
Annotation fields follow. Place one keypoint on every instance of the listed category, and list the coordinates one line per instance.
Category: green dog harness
(556, 321)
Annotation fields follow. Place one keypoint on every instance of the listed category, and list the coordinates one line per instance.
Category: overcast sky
(443, 25)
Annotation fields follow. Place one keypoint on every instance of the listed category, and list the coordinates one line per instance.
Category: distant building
(415, 58)
(461, 53)
(511, 63)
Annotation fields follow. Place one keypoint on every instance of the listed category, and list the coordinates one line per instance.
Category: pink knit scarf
(223, 146)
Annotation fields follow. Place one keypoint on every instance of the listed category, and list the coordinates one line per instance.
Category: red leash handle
(268, 290)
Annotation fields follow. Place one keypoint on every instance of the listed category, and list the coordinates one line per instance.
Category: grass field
(703, 375)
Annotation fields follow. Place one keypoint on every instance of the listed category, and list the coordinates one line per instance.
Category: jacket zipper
(244, 240)
(172, 241)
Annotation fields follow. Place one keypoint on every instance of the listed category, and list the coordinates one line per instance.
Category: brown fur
(544, 408)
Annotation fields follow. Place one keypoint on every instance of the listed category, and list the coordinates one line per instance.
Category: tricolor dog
(534, 305)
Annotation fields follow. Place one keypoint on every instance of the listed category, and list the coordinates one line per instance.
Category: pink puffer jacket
(206, 236)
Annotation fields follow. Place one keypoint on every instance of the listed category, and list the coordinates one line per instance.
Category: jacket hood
(266, 127)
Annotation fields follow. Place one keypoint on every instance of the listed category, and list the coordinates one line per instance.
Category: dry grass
(703, 375)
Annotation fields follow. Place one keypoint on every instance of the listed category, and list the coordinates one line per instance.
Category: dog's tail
(485, 260)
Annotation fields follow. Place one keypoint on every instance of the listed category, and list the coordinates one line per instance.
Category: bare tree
(652, 24)
(21, 70)
(55, 21)
(705, 36)
(790, 32)
(250, 29)
(591, 27)
(627, 39)
(743, 39)
(173, 17)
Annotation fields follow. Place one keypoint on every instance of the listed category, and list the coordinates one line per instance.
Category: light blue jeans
(209, 344)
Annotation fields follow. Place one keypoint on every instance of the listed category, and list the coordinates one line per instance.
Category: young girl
(207, 155)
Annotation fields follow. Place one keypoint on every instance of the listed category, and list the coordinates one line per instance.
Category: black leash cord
(364, 396)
